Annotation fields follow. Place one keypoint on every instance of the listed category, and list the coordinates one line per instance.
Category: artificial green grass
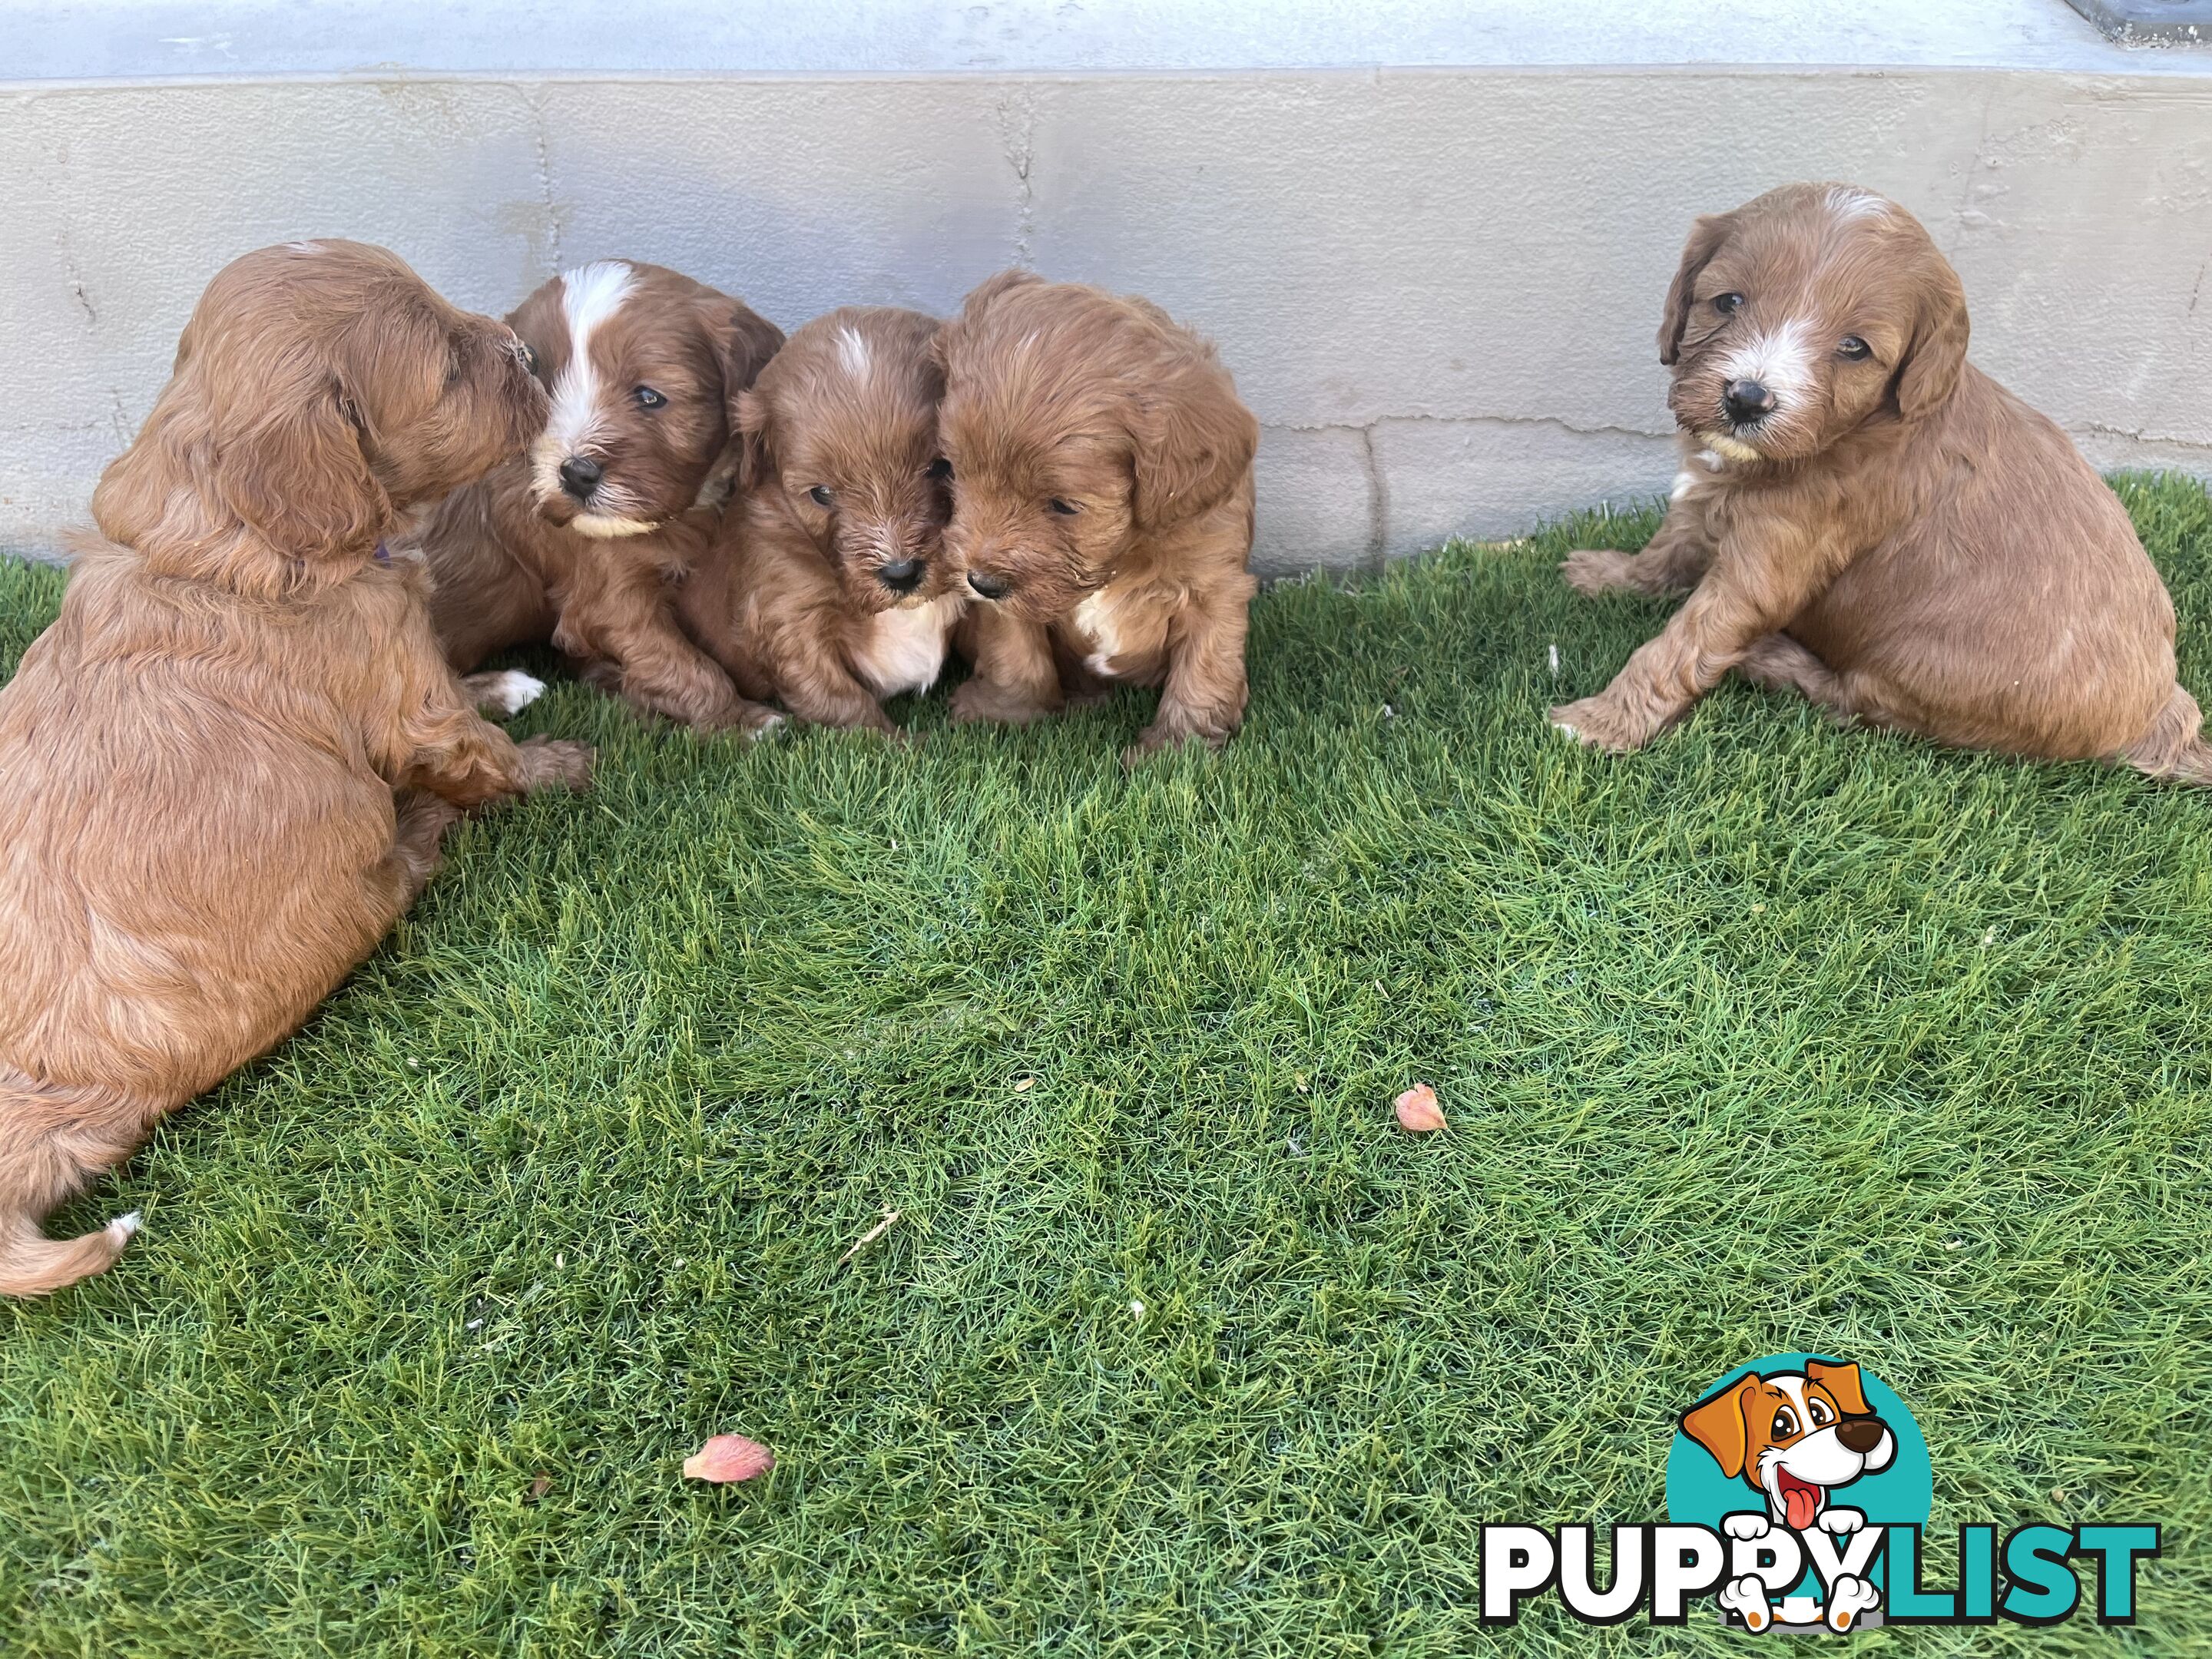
(1773, 1037)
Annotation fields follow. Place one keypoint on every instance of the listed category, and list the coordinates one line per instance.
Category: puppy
(1794, 1437)
(829, 589)
(582, 543)
(225, 769)
(1102, 508)
(1867, 519)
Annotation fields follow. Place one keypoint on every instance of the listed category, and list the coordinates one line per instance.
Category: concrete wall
(1438, 286)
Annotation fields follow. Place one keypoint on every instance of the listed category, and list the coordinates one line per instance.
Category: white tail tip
(124, 1226)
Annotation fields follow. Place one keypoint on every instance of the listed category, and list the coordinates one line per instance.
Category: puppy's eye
(940, 469)
(1854, 348)
(1068, 509)
(1785, 1423)
(1728, 304)
(648, 398)
(820, 496)
(1819, 1411)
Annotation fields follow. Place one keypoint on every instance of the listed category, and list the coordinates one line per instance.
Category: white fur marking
(852, 353)
(124, 1226)
(1848, 202)
(1685, 482)
(589, 296)
(1780, 360)
(509, 692)
(1095, 617)
(905, 647)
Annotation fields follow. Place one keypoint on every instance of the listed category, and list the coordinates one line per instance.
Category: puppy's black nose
(1745, 401)
(900, 575)
(991, 587)
(580, 476)
(1861, 1434)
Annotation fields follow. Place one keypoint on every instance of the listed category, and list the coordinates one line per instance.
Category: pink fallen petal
(1418, 1111)
(729, 1457)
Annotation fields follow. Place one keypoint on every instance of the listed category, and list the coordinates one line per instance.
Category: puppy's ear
(744, 342)
(1842, 1381)
(293, 470)
(543, 327)
(1191, 440)
(748, 420)
(1717, 1425)
(1937, 356)
(1705, 239)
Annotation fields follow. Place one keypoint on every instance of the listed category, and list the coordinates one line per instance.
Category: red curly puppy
(1102, 480)
(1867, 519)
(829, 589)
(225, 769)
(583, 544)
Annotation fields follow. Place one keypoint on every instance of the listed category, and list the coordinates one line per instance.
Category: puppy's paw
(1841, 1522)
(550, 762)
(979, 700)
(1600, 723)
(1157, 739)
(1848, 1597)
(505, 692)
(1599, 570)
(757, 719)
(1745, 1597)
(1746, 1523)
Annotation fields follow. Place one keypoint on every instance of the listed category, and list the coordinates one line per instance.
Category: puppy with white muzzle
(1866, 519)
(582, 541)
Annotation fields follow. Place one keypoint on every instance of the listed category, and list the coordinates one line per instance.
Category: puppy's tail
(2174, 747)
(53, 1141)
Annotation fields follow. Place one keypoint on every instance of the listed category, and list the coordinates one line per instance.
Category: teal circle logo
(1805, 1442)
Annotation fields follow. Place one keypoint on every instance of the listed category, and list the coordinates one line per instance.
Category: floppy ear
(1705, 239)
(748, 419)
(744, 342)
(1717, 1426)
(1192, 440)
(1841, 1380)
(1937, 356)
(293, 470)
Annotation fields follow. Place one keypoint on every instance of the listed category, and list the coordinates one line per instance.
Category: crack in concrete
(1553, 422)
(1378, 503)
(541, 138)
(2103, 431)
(1017, 137)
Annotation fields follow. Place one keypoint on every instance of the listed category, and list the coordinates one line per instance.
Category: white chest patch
(1095, 617)
(904, 650)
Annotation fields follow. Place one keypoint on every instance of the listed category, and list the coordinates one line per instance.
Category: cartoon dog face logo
(1794, 1436)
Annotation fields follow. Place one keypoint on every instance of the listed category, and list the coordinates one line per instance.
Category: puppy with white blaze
(1866, 519)
(583, 541)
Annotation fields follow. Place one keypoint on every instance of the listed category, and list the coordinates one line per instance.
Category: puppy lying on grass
(224, 770)
(1102, 480)
(828, 590)
(1867, 519)
(581, 542)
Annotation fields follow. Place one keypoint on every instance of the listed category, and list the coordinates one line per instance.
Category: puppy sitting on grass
(1101, 508)
(1865, 518)
(582, 543)
(828, 590)
(224, 770)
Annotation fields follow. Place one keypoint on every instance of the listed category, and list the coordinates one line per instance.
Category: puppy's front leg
(1756, 585)
(1207, 689)
(659, 671)
(1015, 681)
(1672, 561)
(433, 739)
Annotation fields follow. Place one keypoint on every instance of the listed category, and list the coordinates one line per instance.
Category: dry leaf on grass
(1418, 1111)
(729, 1457)
(1025, 1085)
(540, 1486)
